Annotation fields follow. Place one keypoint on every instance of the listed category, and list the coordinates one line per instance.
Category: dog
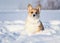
(33, 24)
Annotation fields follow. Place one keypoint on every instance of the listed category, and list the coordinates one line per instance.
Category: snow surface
(10, 31)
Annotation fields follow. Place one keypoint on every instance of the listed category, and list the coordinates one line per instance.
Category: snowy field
(12, 24)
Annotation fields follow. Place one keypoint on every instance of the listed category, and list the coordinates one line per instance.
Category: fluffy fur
(33, 23)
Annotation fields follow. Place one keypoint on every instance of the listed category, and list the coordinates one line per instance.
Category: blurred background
(13, 14)
(15, 9)
(22, 4)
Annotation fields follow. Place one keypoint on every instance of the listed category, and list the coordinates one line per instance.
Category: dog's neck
(33, 20)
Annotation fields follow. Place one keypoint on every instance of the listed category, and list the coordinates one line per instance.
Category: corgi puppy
(33, 23)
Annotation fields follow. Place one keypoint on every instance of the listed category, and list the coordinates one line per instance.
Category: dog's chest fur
(32, 24)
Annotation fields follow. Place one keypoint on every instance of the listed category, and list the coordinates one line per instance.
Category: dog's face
(34, 12)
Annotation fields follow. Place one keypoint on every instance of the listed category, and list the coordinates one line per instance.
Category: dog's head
(34, 12)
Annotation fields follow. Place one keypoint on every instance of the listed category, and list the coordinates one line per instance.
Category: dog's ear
(38, 7)
(29, 7)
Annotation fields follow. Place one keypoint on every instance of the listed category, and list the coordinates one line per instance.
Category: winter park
(13, 14)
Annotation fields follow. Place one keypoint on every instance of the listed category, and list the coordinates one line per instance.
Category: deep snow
(12, 24)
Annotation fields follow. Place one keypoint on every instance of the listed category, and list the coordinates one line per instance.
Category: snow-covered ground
(12, 24)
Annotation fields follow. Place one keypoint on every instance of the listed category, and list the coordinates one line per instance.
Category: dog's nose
(34, 15)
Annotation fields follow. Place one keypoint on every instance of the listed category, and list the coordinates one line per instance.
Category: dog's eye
(31, 12)
(35, 12)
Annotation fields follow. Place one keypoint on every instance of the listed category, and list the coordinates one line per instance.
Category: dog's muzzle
(33, 15)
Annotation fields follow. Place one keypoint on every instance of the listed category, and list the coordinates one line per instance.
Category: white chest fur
(31, 24)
